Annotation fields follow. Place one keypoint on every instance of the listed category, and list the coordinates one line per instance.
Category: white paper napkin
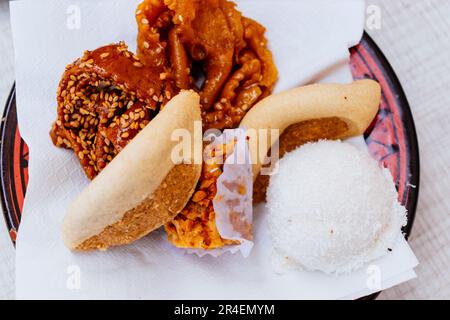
(306, 36)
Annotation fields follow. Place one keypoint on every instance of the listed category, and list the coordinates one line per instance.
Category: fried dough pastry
(208, 39)
(104, 99)
(195, 226)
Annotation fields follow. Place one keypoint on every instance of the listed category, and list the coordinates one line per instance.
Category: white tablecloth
(415, 36)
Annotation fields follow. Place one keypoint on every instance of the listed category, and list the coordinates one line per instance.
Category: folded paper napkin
(306, 36)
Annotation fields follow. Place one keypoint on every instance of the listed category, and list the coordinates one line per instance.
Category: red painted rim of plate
(392, 139)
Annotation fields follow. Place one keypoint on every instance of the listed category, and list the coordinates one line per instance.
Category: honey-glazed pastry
(213, 39)
(104, 99)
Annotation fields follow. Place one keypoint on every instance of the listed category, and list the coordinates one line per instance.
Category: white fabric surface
(151, 268)
(415, 37)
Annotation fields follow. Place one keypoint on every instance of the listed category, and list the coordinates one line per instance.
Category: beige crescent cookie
(356, 104)
(142, 188)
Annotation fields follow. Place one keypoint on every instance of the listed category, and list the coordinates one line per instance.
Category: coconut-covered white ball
(331, 208)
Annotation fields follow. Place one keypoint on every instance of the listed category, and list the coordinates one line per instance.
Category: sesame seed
(66, 141)
(125, 135)
(138, 64)
(146, 45)
(144, 21)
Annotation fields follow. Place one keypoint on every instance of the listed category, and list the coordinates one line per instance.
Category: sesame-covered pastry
(104, 99)
(211, 48)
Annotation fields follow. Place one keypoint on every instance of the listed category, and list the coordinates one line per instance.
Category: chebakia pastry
(104, 99)
(195, 226)
(142, 188)
(208, 38)
(209, 46)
